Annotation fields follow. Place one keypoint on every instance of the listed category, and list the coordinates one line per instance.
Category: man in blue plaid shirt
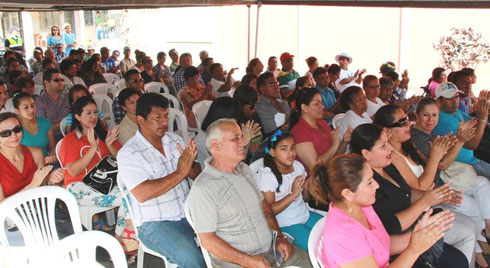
(134, 81)
(178, 76)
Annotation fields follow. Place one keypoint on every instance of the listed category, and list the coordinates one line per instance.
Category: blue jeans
(482, 168)
(174, 240)
(301, 232)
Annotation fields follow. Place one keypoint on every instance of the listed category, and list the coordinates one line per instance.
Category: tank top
(11, 179)
(416, 169)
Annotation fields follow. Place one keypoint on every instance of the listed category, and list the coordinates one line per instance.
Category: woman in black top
(397, 205)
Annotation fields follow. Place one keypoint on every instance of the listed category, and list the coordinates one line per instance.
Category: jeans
(174, 240)
(482, 168)
(301, 232)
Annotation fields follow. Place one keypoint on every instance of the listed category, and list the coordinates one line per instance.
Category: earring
(349, 209)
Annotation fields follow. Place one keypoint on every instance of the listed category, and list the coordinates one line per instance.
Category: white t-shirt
(345, 74)
(217, 84)
(353, 120)
(76, 81)
(372, 107)
(297, 211)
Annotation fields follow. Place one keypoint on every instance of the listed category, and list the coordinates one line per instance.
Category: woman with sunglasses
(54, 38)
(476, 192)
(400, 207)
(91, 72)
(36, 131)
(246, 99)
(21, 167)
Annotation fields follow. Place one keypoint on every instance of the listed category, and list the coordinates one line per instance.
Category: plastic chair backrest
(57, 150)
(104, 104)
(173, 100)
(120, 84)
(111, 78)
(174, 114)
(256, 165)
(315, 244)
(155, 87)
(205, 253)
(33, 212)
(337, 119)
(200, 110)
(63, 126)
(102, 89)
(38, 89)
(79, 250)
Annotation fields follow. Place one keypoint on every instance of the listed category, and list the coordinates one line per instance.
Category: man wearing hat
(115, 55)
(69, 38)
(59, 54)
(447, 95)
(127, 63)
(287, 76)
(347, 77)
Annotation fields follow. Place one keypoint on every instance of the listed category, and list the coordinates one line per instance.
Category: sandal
(129, 234)
(129, 240)
(101, 226)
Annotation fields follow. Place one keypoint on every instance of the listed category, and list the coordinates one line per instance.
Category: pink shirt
(433, 86)
(346, 240)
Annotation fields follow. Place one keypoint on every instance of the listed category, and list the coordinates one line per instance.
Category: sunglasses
(252, 104)
(6, 133)
(401, 123)
(57, 80)
(136, 80)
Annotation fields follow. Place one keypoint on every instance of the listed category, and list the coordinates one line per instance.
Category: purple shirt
(347, 240)
(53, 111)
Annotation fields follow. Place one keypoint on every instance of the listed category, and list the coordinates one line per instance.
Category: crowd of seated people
(399, 199)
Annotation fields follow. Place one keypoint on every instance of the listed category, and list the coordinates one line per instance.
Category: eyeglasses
(252, 104)
(136, 80)
(6, 133)
(271, 84)
(57, 80)
(401, 123)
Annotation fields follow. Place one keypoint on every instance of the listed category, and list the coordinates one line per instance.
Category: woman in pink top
(438, 77)
(354, 235)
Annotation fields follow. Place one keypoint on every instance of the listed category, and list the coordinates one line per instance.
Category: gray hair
(214, 131)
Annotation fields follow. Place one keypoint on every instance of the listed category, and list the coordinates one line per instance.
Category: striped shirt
(53, 111)
(139, 161)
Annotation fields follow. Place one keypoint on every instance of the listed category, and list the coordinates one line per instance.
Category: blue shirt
(69, 39)
(449, 122)
(328, 97)
(53, 41)
(108, 64)
(41, 138)
(464, 107)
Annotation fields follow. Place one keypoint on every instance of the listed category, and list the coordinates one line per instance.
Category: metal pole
(248, 35)
(259, 4)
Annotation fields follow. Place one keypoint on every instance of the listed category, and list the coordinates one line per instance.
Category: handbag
(103, 176)
(461, 176)
(429, 258)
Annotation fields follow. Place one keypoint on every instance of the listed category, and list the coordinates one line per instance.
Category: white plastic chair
(120, 84)
(172, 99)
(175, 115)
(205, 253)
(337, 119)
(142, 249)
(111, 78)
(63, 126)
(315, 244)
(79, 250)
(102, 89)
(87, 212)
(155, 87)
(200, 110)
(104, 104)
(38, 89)
(33, 212)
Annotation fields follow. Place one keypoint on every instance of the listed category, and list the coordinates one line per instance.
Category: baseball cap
(90, 47)
(116, 53)
(126, 48)
(386, 68)
(447, 90)
(13, 28)
(285, 56)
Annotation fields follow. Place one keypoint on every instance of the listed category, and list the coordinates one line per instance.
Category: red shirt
(303, 132)
(73, 147)
(11, 179)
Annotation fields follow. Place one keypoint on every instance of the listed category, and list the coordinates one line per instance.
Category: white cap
(447, 90)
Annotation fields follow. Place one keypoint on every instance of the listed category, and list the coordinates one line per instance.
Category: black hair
(459, 75)
(244, 94)
(206, 62)
(9, 61)
(253, 62)
(319, 71)
(126, 93)
(22, 82)
(129, 73)
(17, 97)
(8, 115)
(365, 136)
(246, 79)
(191, 72)
(214, 66)
(65, 65)
(311, 60)
(469, 70)
(7, 53)
(46, 62)
(424, 102)
(49, 73)
(161, 54)
(385, 81)
(77, 109)
(269, 160)
(347, 96)
(13, 75)
(393, 75)
(333, 69)
(76, 88)
(262, 78)
(149, 100)
(223, 107)
(73, 52)
(385, 117)
(87, 67)
(303, 96)
(437, 72)
(368, 79)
